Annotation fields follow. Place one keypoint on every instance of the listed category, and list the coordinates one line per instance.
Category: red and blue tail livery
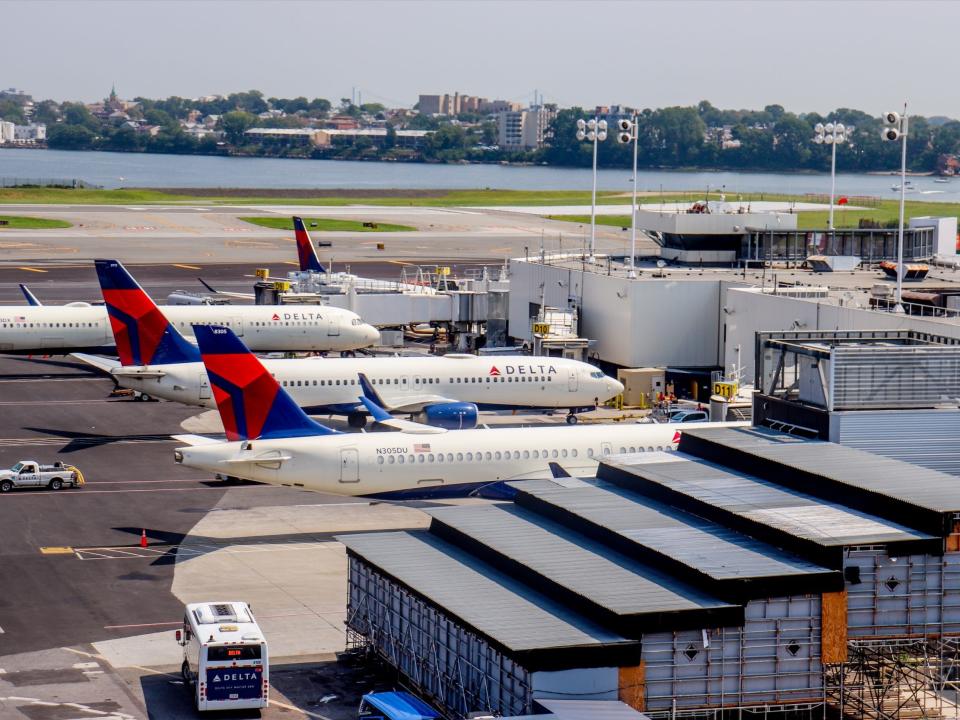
(305, 250)
(251, 403)
(143, 335)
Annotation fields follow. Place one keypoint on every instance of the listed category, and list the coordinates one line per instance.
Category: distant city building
(342, 122)
(524, 129)
(31, 134)
(948, 164)
(290, 137)
(378, 137)
(458, 104)
(18, 96)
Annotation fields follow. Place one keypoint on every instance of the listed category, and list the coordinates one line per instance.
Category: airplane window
(459, 457)
(314, 383)
(400, 459)
(469, 456)
(536, 453)
(606, 451)
(589, 452)
(516, 454)
(497, 455)
(555, 454)
(563, 452)
(458, 380)
(451, 380)
(380, 460)
(489, 455)
(439, 457)
(338, 382)
(526, 454)
(394, 381)
(416, 381)
(353, 382)
(391, 459)
(549, 378)
(299, 383)
(573, 453)
(420, 458)
(623, 450)
(479, 457)
(649, 449)
(430, 457)
(659, 448)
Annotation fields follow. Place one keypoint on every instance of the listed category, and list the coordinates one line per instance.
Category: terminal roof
(527, 626)
(814, 528)
(717, 559)
(604, 585)
(915, 496)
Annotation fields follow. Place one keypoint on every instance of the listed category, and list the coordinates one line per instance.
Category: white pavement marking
(154, 490)
(84, 665)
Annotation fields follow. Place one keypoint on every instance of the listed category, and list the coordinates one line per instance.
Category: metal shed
(469, 635)
(914, 496)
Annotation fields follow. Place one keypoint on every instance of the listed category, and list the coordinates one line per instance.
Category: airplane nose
(614, 386)
(371, 334)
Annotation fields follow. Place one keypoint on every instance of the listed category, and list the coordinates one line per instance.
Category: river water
(114, 170)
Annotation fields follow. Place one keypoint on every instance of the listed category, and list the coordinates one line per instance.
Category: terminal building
(751, 572)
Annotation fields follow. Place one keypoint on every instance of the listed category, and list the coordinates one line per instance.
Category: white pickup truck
(30, 473)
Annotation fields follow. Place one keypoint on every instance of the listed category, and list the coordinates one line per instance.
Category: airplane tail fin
(143, 334)
(252, 404)
(305, 250)
(31, 298)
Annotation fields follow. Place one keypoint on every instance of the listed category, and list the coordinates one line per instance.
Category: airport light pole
(629, 133)
(897, 128)
(832, 134)
(593, 130)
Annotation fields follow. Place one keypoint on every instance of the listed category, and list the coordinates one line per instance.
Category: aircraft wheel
(572, 419)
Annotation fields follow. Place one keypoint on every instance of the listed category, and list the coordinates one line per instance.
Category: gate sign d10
(725, 389)
(541, 328)
(234, 683)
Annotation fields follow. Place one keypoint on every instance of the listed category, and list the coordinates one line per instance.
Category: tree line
(700, 136)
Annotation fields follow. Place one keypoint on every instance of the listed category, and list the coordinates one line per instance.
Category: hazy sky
(802, 55)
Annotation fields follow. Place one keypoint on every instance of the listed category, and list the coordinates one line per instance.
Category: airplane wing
(374, 404)
(226, 293)
(107, 365)
(574, 471)
(194, 440)
(410, 402)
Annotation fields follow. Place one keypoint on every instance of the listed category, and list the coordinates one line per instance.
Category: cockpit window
(597, 374)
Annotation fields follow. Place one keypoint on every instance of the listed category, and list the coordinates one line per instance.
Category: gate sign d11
(725, 389)
(234, 683)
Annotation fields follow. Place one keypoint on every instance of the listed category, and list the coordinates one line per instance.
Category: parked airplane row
(270, 439)
(155, 359)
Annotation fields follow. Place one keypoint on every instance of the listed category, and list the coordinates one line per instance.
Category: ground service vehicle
(395, 706)
(225, 660)
(30, 473)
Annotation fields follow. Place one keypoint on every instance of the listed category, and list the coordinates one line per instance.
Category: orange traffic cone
(143, 538)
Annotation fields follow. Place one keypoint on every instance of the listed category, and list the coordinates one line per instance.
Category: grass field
(325, 224)
(886, 211)
(18, 222)
(424, 198)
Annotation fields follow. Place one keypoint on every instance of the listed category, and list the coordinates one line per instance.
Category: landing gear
(356, 420)
(572, 419)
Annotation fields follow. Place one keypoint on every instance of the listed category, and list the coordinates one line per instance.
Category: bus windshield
(217, 653)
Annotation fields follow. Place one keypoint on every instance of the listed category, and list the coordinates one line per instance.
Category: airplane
(31, 298)
(310, 265)
(79, 327)
(270, 439)
(445, 391)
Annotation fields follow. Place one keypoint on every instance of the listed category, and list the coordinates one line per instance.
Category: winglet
(207, 286)
(372, 401)
(305, 250)
(31, 298)
(252, 404)
(557, 470)
(143, 334)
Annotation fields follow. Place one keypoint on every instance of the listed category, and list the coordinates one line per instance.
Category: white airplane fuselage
(82, 327)
(322, 385)
(423, 465)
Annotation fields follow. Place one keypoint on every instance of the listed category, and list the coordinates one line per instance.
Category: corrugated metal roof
(529, 627)
(603, 584)
(751, 504)
(718, 559)
(916, 496)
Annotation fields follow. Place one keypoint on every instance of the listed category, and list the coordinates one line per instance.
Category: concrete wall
(636, 323)
(749, 311)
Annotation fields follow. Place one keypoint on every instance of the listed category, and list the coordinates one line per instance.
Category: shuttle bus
(225, 659)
